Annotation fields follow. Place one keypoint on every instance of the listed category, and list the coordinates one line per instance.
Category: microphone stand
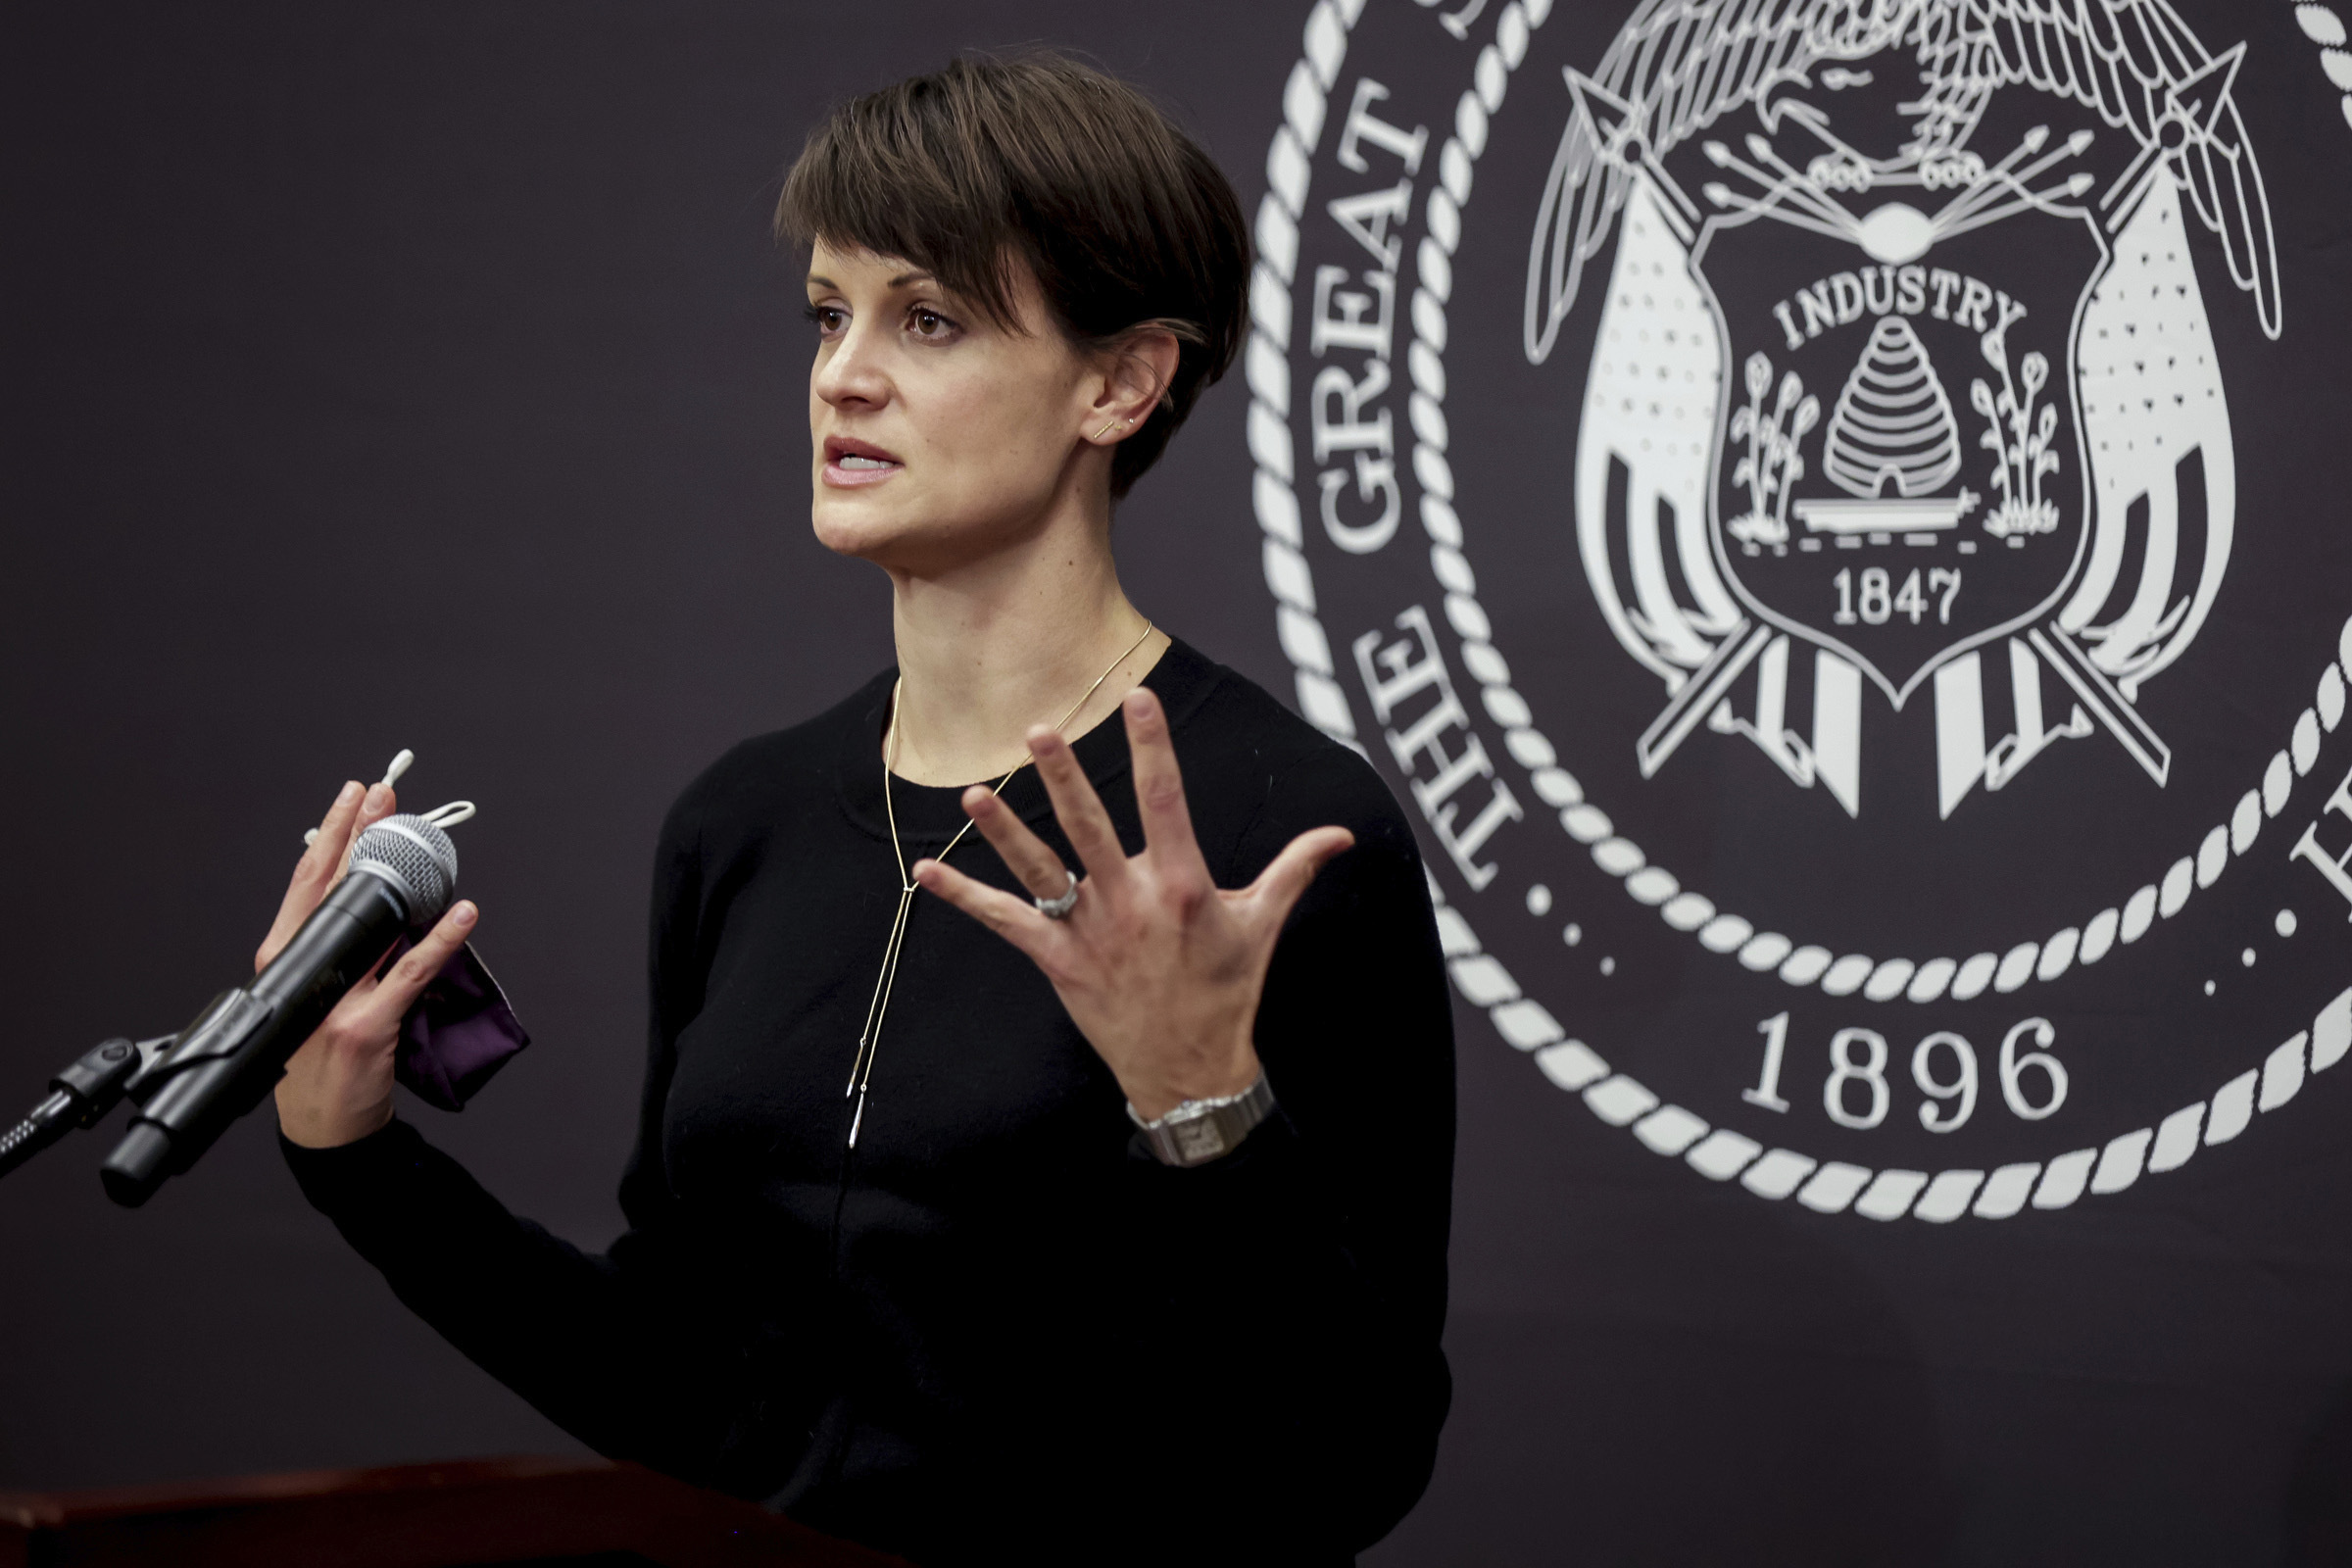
(80, 1096)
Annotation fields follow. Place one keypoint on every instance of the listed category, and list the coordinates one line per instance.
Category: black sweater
(997, 1330)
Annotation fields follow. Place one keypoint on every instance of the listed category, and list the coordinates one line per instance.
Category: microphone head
(416, 858)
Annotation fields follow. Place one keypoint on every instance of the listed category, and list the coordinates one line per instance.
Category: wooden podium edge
(437, 1515)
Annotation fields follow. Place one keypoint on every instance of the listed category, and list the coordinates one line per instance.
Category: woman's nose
(850, 373)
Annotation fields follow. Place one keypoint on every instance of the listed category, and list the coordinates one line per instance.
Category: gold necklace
(862, 1070)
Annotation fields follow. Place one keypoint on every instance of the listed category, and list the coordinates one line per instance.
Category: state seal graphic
(1819, 507)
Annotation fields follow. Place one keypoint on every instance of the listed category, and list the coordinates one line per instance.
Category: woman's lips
(852, 469)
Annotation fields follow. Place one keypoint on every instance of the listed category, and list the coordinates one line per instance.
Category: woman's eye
(929, 325)
(828, 319)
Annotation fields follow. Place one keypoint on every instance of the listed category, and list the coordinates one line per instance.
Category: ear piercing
(1112, 425)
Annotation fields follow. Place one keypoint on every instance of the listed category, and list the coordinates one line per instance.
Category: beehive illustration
(1894, 426)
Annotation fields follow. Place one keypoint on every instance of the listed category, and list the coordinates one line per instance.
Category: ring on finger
(1059, 909)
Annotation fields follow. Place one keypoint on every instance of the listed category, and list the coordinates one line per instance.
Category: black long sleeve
(997, 1330)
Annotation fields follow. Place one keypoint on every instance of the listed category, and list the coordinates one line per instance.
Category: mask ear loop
(450, 815)
(400, 764)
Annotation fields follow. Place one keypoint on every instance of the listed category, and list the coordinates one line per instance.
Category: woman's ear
(1141, 365)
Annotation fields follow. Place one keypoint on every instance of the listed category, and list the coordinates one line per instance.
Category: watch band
(1201, 1130)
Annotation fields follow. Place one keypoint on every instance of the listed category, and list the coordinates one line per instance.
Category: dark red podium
(468, 1513)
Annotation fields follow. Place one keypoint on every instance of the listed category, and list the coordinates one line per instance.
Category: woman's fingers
(325, 855)
(313, 873)
(1017, 921)
(1079, 810)
(380, 801)
(343, 828)
(397, 992)
(377, 804)
(1279, 886)
(322, 865)
(1030, 859)
(1158, 781)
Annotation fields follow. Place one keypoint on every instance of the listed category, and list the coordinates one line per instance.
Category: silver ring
(1059, 909)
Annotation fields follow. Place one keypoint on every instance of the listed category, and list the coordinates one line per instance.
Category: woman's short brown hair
(1121, 216)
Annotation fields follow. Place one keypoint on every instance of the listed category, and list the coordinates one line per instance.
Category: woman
(899, 1261)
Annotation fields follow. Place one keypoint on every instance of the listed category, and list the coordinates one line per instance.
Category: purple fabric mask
(459, 1034)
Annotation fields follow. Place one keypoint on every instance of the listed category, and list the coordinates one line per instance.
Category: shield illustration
(1900, 477)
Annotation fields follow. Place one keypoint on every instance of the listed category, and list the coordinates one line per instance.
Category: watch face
(1201, 1138)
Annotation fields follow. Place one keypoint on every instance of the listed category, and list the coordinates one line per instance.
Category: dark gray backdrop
(423, 376)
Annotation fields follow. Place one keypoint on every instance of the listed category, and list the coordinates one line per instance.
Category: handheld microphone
(403, 872)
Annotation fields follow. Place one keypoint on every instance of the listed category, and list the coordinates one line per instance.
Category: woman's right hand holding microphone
(337, 1088)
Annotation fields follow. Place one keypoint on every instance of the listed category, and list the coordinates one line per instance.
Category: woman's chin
(888, 537)
(861, 525)
(902, 533)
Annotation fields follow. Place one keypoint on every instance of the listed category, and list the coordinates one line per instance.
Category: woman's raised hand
(338, 1087)
(1159, 968)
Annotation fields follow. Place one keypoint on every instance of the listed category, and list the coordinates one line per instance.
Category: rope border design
(2323, 26)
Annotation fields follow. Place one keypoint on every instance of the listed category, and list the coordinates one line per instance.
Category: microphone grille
(416, 857)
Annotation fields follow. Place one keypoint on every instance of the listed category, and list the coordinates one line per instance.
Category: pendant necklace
(861, 1069)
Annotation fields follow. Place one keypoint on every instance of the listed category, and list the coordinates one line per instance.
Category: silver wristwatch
(1201, 1130)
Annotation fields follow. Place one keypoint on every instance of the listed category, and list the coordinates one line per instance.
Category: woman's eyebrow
(900, 281)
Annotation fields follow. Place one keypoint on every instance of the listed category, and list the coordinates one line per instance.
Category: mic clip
(80, 1096)
(226, 1022)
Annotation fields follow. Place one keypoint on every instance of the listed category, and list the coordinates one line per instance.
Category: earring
(1112, 425)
